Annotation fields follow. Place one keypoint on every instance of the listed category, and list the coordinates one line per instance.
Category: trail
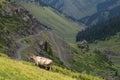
(59, 52)
(23, 46)
(58, 49)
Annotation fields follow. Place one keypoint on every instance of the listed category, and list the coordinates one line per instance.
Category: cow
(42, 62)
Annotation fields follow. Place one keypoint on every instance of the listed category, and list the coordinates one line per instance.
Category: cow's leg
(40, 66)
(43, 67)
(48, 68)
(36, 64)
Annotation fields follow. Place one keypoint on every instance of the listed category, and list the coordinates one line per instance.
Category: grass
(93, 63)
(8, 27)
(80, 62)
(113, 44)
(1, 2)
(20, 70)
(44, 36)
(64, 27)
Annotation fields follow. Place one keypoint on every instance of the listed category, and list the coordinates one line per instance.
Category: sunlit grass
(20, 70)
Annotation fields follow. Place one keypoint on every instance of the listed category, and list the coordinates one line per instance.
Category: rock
(39, 46)
(85, 46)
(84, 72)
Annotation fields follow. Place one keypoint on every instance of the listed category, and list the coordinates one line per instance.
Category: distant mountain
(105, 11)
(21, 33)
(62, 26)
(101, 31)
(75, 9)
(85, 11)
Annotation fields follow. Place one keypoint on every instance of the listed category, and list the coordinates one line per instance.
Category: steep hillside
(62, 26)
(15, 23)
(111, 47)
(105, 38)
(100, 31)
(76, 9)
(22, 33)
(72, 57)
(105, 11)
(20, 70)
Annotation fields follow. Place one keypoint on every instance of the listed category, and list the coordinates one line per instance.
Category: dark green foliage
(93, 63)
(47, 48)
(100, 31)
(80, 46)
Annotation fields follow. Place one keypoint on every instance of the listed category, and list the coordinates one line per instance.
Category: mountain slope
(111, 48)
(15, 25)
(20, 70)
(101, 31)
(64, 27)
(76, 9)
(18, 25)
(105, 11)
(105, 37)
(20, 35)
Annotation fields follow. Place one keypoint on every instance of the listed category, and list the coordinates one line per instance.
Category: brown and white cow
(42, 62)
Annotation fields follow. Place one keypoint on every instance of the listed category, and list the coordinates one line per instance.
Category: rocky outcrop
(84, 46)
(39, 46)
(25, 25)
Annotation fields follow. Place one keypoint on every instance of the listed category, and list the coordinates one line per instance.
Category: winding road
(58, 49)
(23, 46)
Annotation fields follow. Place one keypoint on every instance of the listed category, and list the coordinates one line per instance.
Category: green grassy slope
(92, 63)
(112, 44)
(13, 27)
(65, 28)
(8, 25)
(79, 61)
(20, 70)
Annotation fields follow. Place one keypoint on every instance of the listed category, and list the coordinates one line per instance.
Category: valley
(106, 11)
(54, 20)
(47, 30)
(73, 9)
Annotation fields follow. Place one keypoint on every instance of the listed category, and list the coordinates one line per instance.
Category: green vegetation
(101, 31)
(20, 70)
(48, 51)
(65, 28)
(14, 27)
(92, 63)
(1, 1)
(112, 44)
(75, 9)
(9, 26)
(105, 37)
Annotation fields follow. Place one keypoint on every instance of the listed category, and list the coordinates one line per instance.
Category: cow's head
(31, 56)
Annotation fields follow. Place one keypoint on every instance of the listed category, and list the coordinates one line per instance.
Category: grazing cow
(42, 62)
